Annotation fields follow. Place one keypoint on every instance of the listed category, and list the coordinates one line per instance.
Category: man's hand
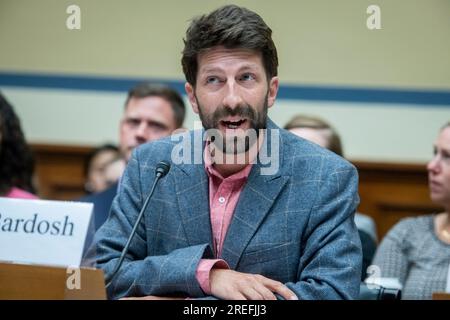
(233, 285)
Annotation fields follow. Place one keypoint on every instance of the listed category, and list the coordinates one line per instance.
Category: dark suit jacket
(369, 247)
(295, 225)
(102, 204)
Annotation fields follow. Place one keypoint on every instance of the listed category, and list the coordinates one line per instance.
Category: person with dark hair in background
(151, 112)
(322, 133)
(416, 251)
(96, 166)
(234, 224)
(16, 160)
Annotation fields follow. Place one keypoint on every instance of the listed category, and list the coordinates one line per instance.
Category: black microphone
(162, 168)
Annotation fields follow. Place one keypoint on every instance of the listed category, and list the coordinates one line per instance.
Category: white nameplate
(43, 232)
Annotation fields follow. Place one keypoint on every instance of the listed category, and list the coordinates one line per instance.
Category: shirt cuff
(204, 269)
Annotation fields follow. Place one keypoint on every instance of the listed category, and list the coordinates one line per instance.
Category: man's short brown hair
(232, 27)
(146, 89)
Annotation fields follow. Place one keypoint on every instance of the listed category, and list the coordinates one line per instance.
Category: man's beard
(235, 144)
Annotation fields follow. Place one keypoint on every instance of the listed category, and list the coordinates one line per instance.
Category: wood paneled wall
(59, 171)
(388, 191)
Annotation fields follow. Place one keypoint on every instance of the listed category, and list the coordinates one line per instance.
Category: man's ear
(190, 91)
(273, 90)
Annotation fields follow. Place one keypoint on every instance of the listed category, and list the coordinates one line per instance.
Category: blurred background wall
(386, 91)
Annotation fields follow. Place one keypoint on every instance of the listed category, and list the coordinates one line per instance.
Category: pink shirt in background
(223, 197)
(20, 194)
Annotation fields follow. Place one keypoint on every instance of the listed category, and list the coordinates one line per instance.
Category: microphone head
(162, 168)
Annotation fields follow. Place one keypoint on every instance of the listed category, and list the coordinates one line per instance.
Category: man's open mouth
(233, 124)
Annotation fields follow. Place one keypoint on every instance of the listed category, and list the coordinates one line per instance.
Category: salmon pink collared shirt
(223, 197)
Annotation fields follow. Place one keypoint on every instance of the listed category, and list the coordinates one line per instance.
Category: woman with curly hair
(16, 160)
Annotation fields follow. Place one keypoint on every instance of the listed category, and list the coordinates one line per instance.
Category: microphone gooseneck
(162, 168)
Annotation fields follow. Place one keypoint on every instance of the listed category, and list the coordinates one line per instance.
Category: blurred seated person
(16, 160)
(151, 112)
(114, 170)
(97, 162)
(320, 132)
(416, 250)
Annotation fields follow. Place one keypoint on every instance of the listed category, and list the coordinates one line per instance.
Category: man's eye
(247, 77)
(212, 80)
(156, 127)
(133, 122)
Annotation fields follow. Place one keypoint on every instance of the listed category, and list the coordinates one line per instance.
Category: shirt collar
(212, 172)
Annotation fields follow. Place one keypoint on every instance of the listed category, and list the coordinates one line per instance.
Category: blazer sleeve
(331, 259)
(173, 274)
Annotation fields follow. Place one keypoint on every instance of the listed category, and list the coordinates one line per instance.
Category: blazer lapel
(192, 193)
(255, 201)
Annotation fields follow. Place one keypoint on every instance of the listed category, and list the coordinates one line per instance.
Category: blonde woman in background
(416, 251)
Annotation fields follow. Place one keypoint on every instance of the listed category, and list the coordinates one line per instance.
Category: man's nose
(142, 134)
(232, 97)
